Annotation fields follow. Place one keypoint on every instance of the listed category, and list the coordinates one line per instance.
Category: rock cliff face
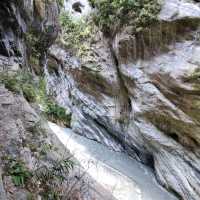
(20, 18)
(140, 94)
(21, 134)
(30, 154)
(133, 93)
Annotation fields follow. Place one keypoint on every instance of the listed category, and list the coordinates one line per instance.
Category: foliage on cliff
(75, 33)
(112, 14)
(60, 3)
(20, 83)
(34, 91)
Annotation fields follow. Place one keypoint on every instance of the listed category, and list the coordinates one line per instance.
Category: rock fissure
(126, 107)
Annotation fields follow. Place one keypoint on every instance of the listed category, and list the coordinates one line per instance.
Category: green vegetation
(58, 170)
(29, 92)
(112, 14)
(33, 40)
(37, 129)
(51, 177)
(20, 83)
(11, 82)
(35, 92)
(48, 177)
(42, 95)
(60, 3)
(18, 171)
(45, 148)
(56, 113)
(75, 32)
(51, 109)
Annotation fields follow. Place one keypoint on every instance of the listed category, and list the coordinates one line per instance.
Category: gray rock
(152, 108)
(2, 191)
(176, 10)
(134, 93)
(20, 17)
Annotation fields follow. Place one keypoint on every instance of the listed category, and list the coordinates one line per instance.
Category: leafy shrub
(75, 32)
(50, 176)
(57, 113)
(58, 170)
(60, 3)
(42, 95)
(33, 41)
(51, 109)
(45, 148)
(138, 13)
(11, 82)
(22, 82)
(33, 91)
(37, 44)
(18, 171)
(29, 92)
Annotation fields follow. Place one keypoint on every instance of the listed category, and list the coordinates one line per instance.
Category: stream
(124, 177)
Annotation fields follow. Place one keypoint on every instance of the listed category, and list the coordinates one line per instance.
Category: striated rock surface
(140, 94)
(136, 93)
(18, 19)
(28, 148)
(25, 137)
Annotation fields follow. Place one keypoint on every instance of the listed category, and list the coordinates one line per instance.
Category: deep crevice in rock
(124, 97)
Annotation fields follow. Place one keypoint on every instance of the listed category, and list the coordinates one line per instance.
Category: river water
(124, 177)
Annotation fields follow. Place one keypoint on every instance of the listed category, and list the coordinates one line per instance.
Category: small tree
(115, 13)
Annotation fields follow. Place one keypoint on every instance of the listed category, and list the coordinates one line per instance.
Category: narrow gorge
(99, 100)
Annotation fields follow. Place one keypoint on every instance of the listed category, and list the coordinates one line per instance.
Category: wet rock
(154, 115)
